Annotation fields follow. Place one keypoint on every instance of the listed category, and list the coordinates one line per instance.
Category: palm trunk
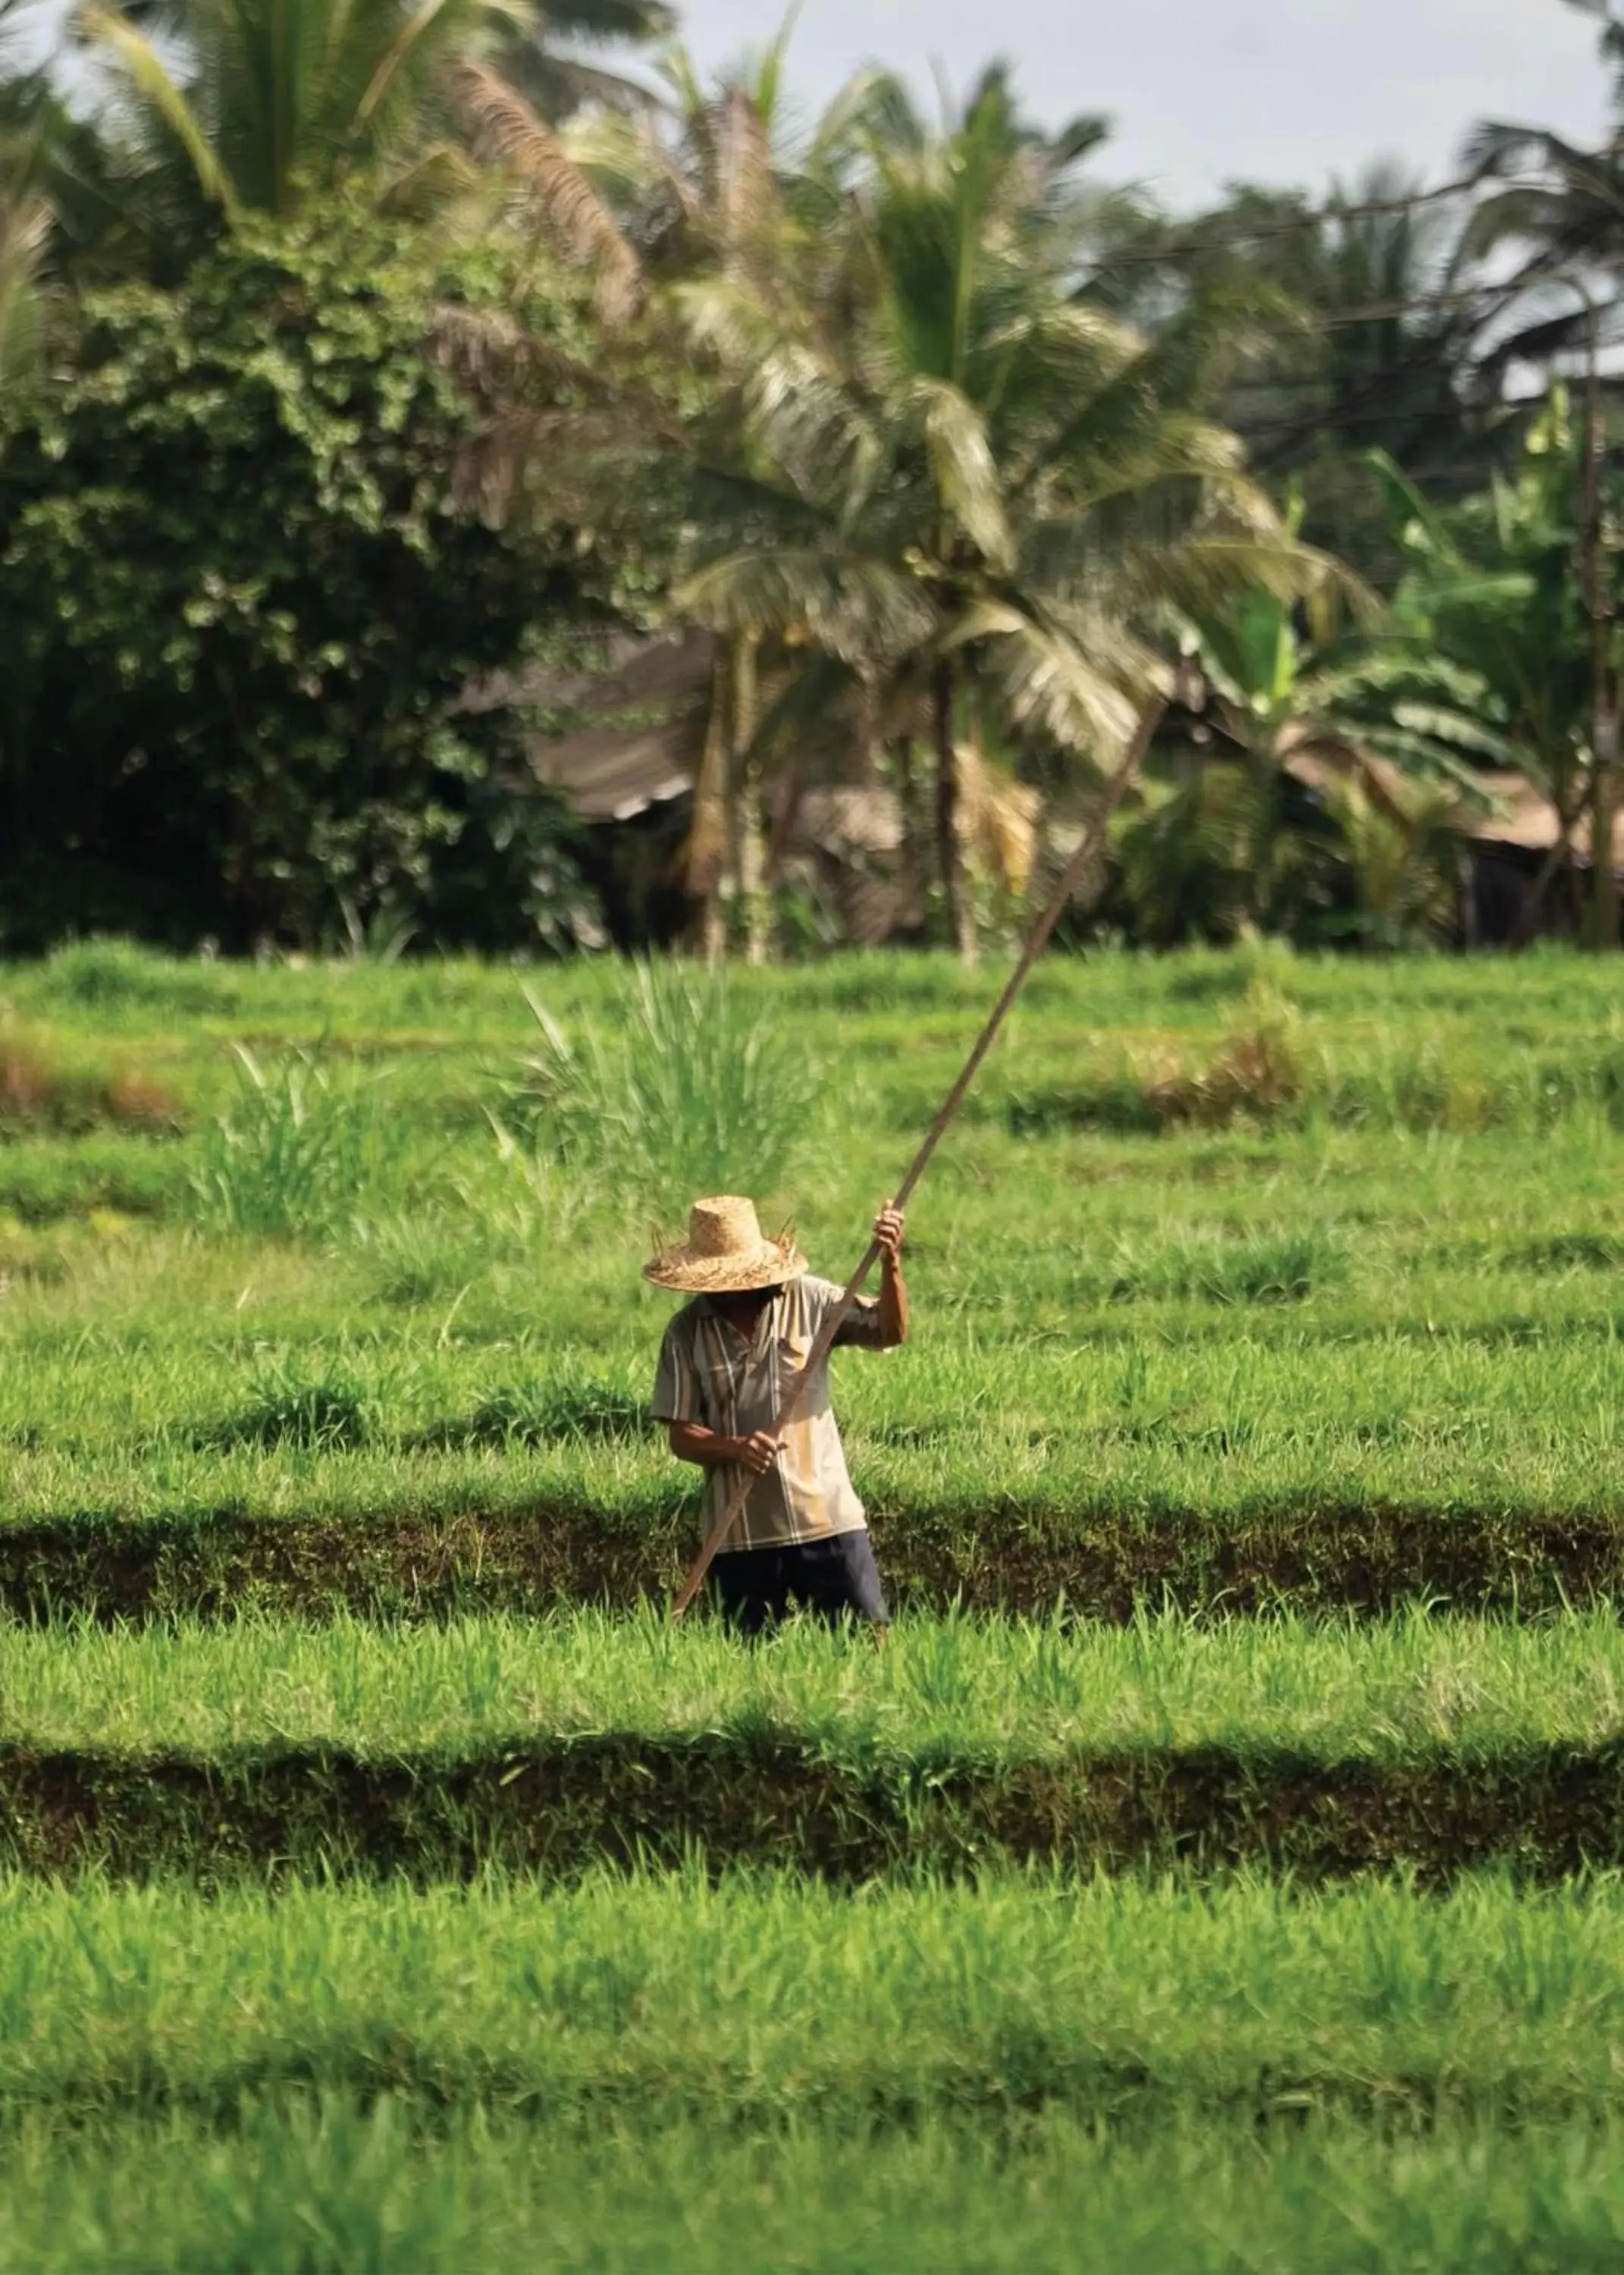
(960, 923)
(1604, 809)
(710, 831)
(1600, 922)
(916, 866)
(1266, 771)
(752, 835)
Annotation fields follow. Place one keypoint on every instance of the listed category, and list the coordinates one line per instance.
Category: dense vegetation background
(356, 363)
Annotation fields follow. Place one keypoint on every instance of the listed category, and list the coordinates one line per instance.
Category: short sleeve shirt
(710, 1374)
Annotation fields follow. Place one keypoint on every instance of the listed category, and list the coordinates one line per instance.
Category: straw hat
(725, 1252)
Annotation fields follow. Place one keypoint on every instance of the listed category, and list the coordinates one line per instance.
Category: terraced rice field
(1219, 1870)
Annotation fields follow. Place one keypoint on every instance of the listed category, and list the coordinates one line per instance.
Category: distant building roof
(613, 773)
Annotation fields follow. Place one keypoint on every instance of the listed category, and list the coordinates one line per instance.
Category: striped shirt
(710, 1374)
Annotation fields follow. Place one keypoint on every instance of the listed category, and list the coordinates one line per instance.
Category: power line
(1371, 209)
(1305, 224)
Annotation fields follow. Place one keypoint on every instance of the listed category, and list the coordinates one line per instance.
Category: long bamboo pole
(1071, 877)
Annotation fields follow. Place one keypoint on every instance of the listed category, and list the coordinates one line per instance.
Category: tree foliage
(241, 615)
(977, 495)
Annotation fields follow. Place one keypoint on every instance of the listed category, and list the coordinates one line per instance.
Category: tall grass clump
(296, 1403)
(114, 975)
(1256, 1074)
(696, 1091)
(1286, 1267)
(295, 1152)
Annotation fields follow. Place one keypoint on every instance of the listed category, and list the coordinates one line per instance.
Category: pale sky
(1206, 92)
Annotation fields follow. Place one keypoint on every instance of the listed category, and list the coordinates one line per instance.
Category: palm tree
(972, 489)
(1559, 211)
(256, 104)
(641, 195)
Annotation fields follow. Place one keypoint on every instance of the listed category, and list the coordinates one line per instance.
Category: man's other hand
(889, 1226)
(758, 1453)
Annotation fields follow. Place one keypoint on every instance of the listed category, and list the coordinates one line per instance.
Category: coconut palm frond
(162, 99)
(874, 110)
(1515, 217)
(732, 506)
(767, 86)
(1497, 147)
(998, 819)
(729, 321)
(493, 355)
(1424, 756)
(579, 223)
(1205, 573)
(635, 22)
(25, 231)
(437, 182)
(1052, 681)
(746, 188)
(414, 35)
(1386, 673)
(588, 456)
(800, 413)
(557, 85)
(1186, 465)
(812, 713)
(963, 468)
(858, 610)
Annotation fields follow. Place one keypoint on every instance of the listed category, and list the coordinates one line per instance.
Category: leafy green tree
(971, 492)
(641, 197)
(241, 615)
(1491, 585)
(235, 106)
(1283, 684)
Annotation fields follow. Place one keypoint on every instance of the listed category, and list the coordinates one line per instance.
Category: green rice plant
(1374, 1358)
(559, 1407)
(422, 1256)
(696, 1091)
(1283, 1267)
(296, 1153)
(767, 2001)
(293, 1402)
(43, 1181)
(954, 1687)
(330, 2182)
(1568, 1251)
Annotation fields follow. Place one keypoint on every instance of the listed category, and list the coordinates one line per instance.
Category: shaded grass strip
(1102, 1563)
(562, 1807)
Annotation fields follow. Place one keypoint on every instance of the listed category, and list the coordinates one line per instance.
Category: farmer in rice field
(729, 1361)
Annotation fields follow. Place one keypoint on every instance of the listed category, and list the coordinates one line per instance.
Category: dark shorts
(756, 1586)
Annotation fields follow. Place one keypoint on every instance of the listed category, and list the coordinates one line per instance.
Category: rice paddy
(1217, 1870)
